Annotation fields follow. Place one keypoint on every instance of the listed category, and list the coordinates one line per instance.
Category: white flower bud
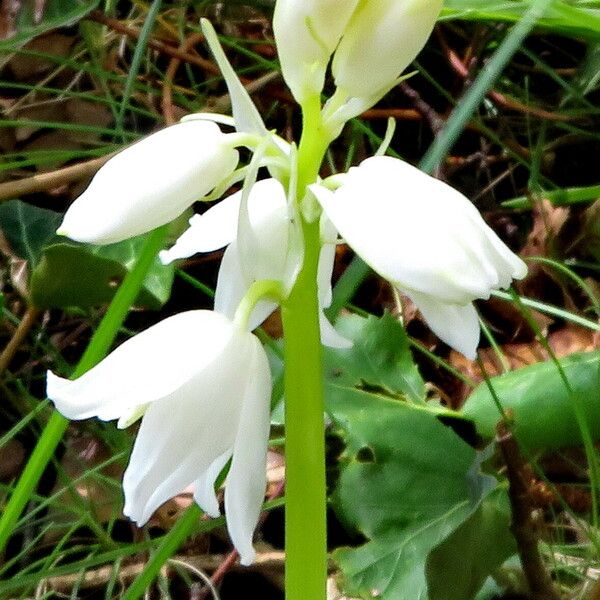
(427, 239)
(307, 32)
(151, 183)
(381, 40)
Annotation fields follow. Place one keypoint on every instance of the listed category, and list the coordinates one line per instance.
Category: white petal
(182, 435)
(210, 231)
(329, 335)
(306, 33)
(232, 284)
(151, 183)
(208, 116)
(246, 116)
(204, 487)
(147, 367)
(415, 231)
(246, 482)
(324, 273)
(263, 235)
(381, 40)
(457, 325)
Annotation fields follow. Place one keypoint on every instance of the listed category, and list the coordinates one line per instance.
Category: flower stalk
(305, 495)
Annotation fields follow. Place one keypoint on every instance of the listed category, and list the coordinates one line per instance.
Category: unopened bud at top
(307, 32)
(381, 40)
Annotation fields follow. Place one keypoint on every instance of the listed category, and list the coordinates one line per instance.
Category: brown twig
(187, 57)
(523, 527)
(220, 104)
(27, 322)
(402, 114)
(459, 67)
(97, 578)
(47, 181)
(436, 122)
(167, 96)
(231, 559)
(167, 49)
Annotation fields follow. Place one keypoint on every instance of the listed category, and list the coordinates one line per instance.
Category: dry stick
(27, 322)
(134, 33)
(436, 122)
(167, 97)
(231, 559)
(47, 181)
(178, 53)
(523, 527)
(98, 577)
(510, 103)
(402, 114)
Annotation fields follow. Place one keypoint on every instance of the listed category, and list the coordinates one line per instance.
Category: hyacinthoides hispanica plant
(200, 380)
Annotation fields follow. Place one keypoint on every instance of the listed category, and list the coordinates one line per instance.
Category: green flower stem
(98, 347)
(305, 496)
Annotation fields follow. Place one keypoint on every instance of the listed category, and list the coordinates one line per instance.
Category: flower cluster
(200, 380)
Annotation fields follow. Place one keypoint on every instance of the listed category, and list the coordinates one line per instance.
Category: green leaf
(407, 483)
(541, 404)
(560, 17)
(27, 228)
(29, 23)
(458, 568)
(72, 275)
(380, 357)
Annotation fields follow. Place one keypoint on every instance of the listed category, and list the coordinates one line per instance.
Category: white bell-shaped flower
(203, 386)
(427, 239)
(151, 183)
(262, 253)
(382, 38)
(307, 32)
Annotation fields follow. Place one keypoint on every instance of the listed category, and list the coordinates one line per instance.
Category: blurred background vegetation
(504, 105)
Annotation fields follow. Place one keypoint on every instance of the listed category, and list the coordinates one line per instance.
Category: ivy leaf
(31, 18)
(380, 357)
(28, 229)
(74, 275)
(458, 568)
(407, 483)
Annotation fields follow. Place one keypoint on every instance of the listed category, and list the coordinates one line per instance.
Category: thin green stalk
(169, 546)
(305, 506)
(136, 61)
(471, 100)
(579, 412)
(96, 350)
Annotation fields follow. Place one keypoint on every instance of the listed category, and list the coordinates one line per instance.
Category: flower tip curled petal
(151, 183)
(247, 478)
(204, 487)
(306, 33)
(330, 336)
(381, 40)
(456, 325)
(64, 402)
